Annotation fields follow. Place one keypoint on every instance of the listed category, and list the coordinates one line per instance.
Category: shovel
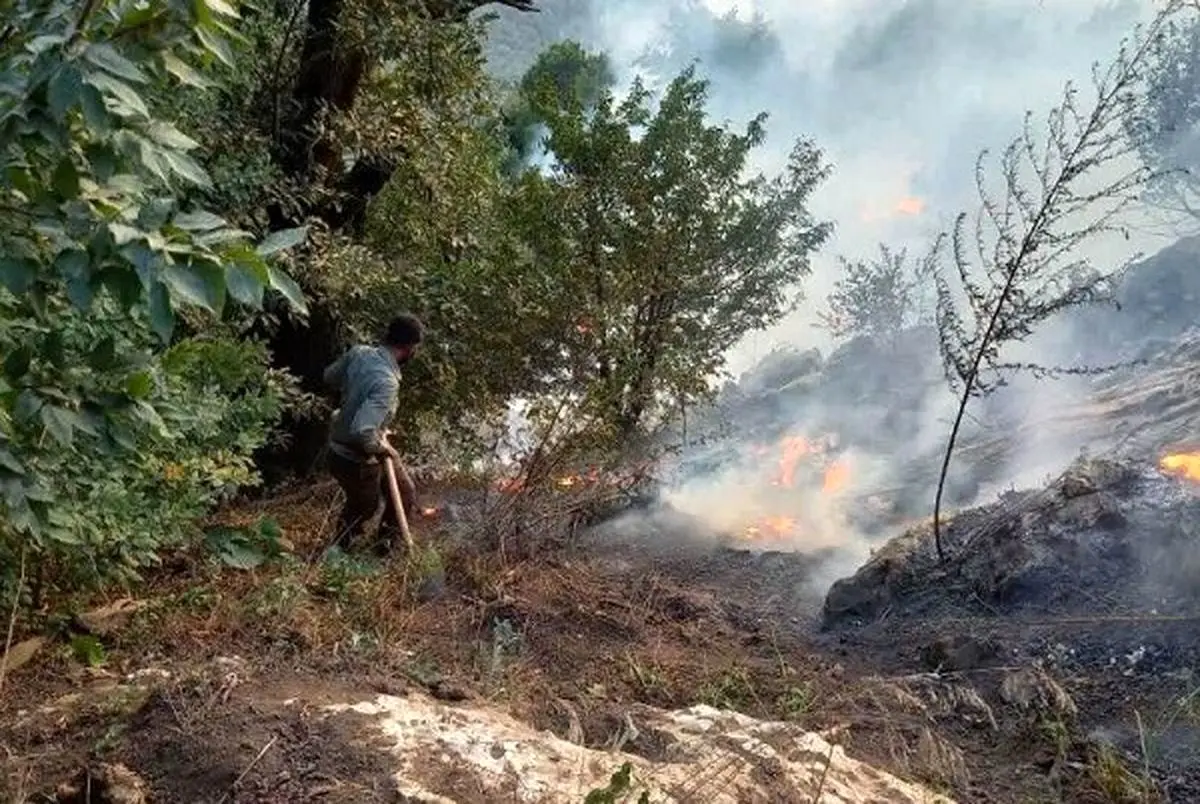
(398, 503)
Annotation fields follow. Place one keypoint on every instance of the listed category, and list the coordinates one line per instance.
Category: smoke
(901, 95)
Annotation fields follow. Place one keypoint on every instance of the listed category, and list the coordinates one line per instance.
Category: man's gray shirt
(369, 380)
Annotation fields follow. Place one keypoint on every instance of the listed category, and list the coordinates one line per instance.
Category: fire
(1182, 464)
(837, 477)
(771, 527)
(512, 485)
(910, 205)
(793, 453)
(793, 448)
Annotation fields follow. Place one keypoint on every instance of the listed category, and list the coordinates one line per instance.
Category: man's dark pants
(365, 486)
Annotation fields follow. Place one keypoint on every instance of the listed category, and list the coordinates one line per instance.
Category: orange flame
(910, 205)
(1182, 464)
(837, 477)
(792, 450)
(771, 527)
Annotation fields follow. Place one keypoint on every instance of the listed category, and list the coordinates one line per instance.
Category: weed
(620, 787)
(1058, 734)
(1113, 779)
(650, 679)
(277, 596)
(732, 690)
(796, 702)
(341, 572)
(88, 650)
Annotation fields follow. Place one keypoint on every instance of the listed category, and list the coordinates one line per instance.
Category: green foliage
(246, 548)
(665, 253)
(564, 76)
(880, 298)
(619, 788)
(89, 650)
(109, 446)
(1164, 114)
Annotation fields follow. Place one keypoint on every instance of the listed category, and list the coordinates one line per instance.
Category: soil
(211, 692)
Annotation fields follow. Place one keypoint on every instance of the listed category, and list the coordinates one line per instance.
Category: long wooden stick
(398, 502)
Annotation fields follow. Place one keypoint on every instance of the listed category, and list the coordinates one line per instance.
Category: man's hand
(389, 451)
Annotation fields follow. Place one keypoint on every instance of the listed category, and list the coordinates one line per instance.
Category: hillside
(992, 679)
(637, 589)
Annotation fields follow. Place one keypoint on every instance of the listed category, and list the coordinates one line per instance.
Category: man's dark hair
(404, 330)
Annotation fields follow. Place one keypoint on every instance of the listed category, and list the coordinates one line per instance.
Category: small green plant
(89, 650)
(1113, 779)
(341, 572)
(278, 596)
(732, 690)
(796, 702)
(1059, 735)
(246, 548)
(649, 678)
(620, 787)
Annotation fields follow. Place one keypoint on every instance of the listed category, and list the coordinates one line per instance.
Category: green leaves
(282, 240)
(17, 274)
(107, 58)
(64, 91)
(98, 260)
(199, 283)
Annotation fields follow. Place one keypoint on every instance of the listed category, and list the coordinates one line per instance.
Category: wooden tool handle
(398, 502)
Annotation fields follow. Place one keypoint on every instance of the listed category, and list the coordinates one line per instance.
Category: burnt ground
(1022, 678)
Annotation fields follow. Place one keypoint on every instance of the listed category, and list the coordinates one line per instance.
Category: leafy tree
(1019, 259)
(879, 298)
(563, 75)
(100, 257)
(1164, 116)
(667, 253)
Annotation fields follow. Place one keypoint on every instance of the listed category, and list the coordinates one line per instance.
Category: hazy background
(901, 94)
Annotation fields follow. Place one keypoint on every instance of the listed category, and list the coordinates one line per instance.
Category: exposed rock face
(1105, 532)
(707, 755)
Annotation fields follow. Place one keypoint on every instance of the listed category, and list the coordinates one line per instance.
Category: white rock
(714, 759)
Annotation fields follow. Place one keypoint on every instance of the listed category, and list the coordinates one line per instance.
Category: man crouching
(368, 380)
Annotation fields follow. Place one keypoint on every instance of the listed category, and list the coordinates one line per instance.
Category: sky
(900, 94)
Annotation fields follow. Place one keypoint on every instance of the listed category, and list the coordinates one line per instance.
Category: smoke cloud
(901, 95)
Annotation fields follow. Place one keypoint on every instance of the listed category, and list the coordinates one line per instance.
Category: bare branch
(1059, 190)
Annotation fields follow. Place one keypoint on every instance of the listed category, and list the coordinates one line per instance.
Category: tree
(103, 255)
(1018, 260)
(668, 252)
(563, 74)
(1164, 116)
(879, 298)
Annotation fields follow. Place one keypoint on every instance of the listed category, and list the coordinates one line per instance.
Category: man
(368, 379)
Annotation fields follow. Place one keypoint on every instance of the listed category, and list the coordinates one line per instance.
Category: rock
(107, 620)
(449, 691)
(21, 653)
(1095, 530)
(1091, 475)
(958, 653)
(104, 784)
(440, 750)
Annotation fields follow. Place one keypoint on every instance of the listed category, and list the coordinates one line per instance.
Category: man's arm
(367, 428)
(336, 372)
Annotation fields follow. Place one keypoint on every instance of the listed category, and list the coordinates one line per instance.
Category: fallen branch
(242, 775)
